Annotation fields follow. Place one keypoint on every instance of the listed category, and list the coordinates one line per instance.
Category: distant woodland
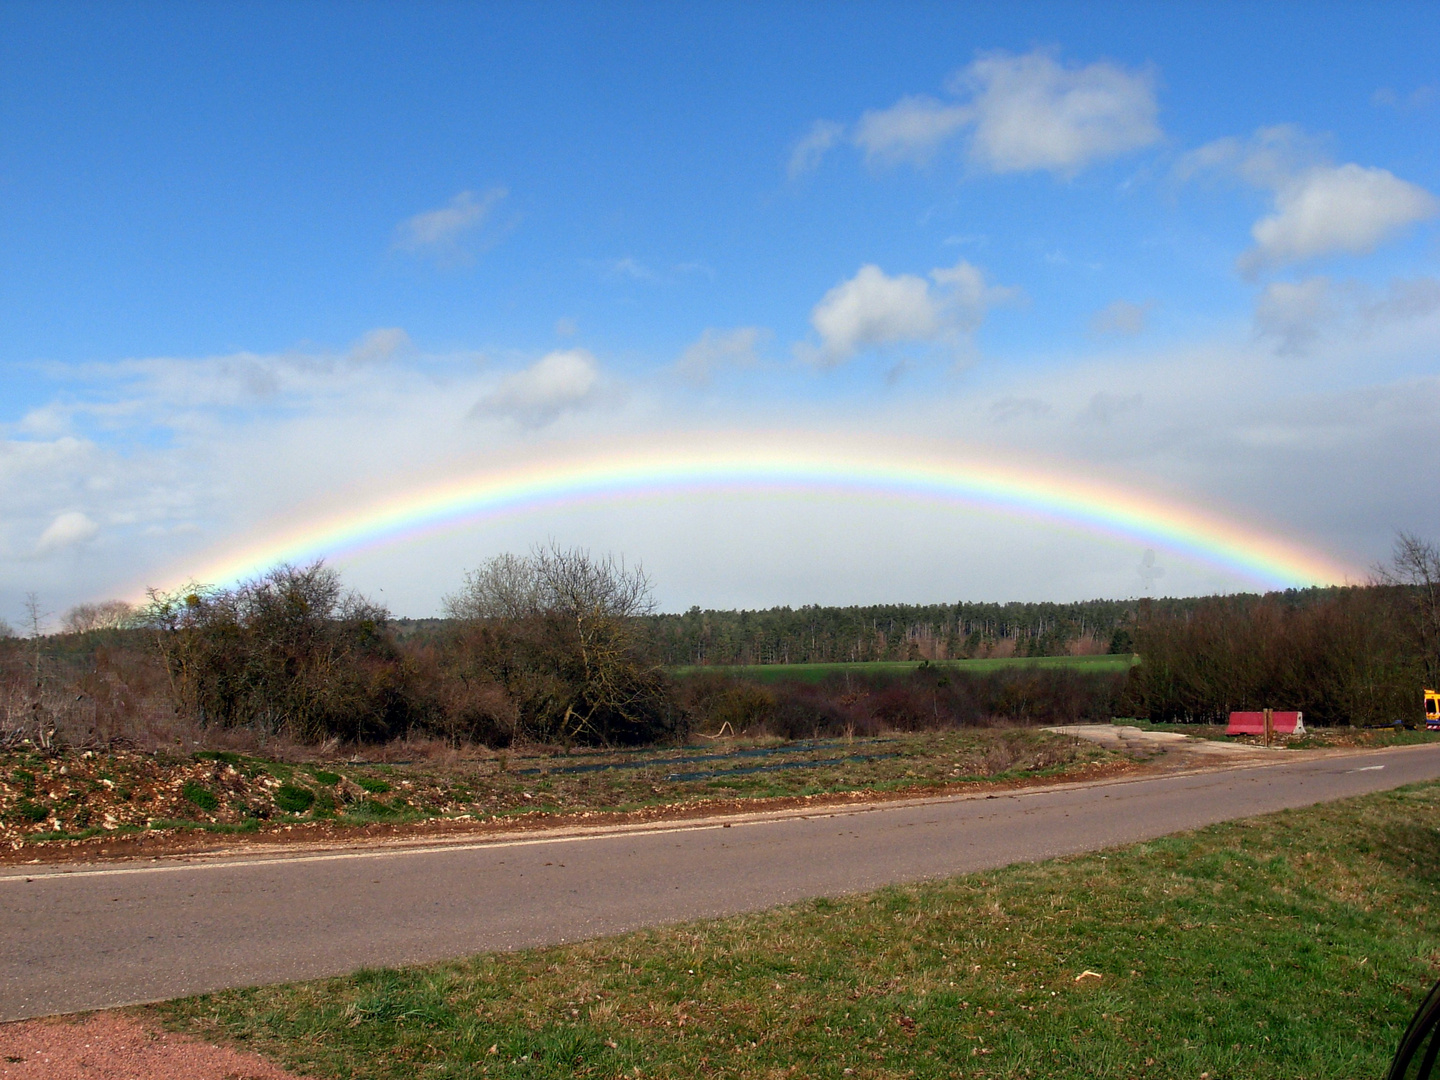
(817, 635)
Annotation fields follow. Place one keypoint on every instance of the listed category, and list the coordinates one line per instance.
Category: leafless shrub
(555, 630)
(1415, 570)
(108, 615)
(1342, 659)
(290, 652)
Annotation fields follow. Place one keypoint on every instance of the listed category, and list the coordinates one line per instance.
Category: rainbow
(800, 466)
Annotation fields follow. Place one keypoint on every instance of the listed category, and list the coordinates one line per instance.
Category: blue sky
(254, 255)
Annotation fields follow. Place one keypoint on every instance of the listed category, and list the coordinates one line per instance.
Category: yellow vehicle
(1432, 710)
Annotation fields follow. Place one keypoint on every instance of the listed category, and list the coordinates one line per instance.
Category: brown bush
(1344, 658)
(930, 698)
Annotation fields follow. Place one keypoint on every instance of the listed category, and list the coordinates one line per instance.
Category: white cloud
(1336, 457)
(438, 232)
(1010, 407)
(1025, 113)
(1033, 113)
(910, 130)
(1293, 312)
(380, 346)
(1320, 208)
(808, 152)
(1343, 209)
(1418, 98)
(1297, 314)
(721, 348)
(67, 530)
(874, 310)
(1105, 406)
(1268, 159)
(1121, 317)
(556, 383)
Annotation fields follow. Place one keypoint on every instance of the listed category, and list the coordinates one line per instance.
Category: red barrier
(1253, 723)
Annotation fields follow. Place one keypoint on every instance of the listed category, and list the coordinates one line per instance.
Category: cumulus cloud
(558, 382)
(809, 151)
(1033, 113)
(1345, 209)
(1296, 314)
(910, 130)
(439, 232)
(717, 349)
(1121, 317)
(67, 530)
(874, 310)
(1025, 114)
(1320, 208)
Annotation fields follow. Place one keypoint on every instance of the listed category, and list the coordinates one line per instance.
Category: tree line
(1359, 655)
(856, 634)
(564, 648)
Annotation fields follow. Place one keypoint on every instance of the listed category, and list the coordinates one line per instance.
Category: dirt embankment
(83, 805)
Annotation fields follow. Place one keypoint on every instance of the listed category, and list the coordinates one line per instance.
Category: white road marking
(335, 856)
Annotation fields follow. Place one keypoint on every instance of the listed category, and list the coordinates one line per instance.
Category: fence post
(1269, 726)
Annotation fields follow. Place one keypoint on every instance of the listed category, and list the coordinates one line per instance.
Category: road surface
(78, 937)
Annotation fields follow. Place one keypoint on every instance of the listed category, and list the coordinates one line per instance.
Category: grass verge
(1291, 945)
(1315, 738)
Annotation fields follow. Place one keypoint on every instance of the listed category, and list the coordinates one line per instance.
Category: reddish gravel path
(117, 1046)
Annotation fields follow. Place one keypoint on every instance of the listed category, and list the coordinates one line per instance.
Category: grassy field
(91, 796)
(814, 673)
(1292, 945)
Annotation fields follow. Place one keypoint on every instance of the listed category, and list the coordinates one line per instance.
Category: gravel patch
(117, 1046)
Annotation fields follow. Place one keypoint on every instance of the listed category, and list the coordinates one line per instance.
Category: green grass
(1292, 945)
(814, 673)
(294, 799)
(202, 797)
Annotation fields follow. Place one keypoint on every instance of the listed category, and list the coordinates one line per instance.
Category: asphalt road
(90, 937)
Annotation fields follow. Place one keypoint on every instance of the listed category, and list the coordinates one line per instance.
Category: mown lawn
(1291, 945)
(815, 673)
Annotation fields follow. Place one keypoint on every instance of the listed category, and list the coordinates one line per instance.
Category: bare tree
(503, 587)
(107, 615)
(1415, 567)
(552, 580)
(35, 618)
(557, 629)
